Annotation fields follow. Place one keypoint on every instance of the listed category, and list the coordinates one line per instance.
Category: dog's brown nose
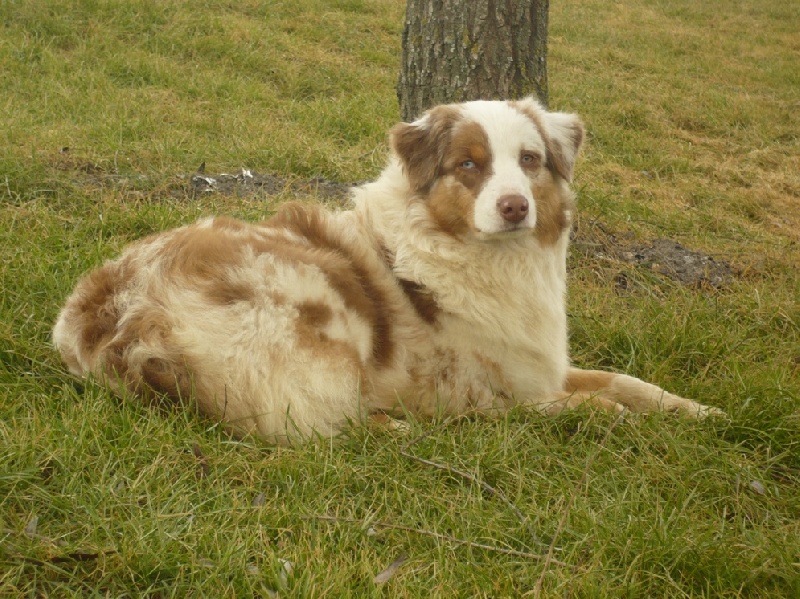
(513, 208)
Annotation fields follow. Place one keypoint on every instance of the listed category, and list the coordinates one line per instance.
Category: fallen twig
(443, 537)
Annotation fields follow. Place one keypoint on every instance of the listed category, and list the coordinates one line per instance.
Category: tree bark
(459, 50)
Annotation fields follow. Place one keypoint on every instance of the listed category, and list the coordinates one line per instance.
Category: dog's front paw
(709, 411)
(694, 409)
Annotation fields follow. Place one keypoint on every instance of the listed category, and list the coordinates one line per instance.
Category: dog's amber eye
(468, 164)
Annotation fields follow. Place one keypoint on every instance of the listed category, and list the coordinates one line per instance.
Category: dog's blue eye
(468, 164)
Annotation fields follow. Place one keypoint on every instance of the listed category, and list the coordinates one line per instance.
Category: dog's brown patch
(204, 253)
(167, 374)
(224, 292)
(451, 206)
(96, 311)
(552, 209)
(315, 314)
(312, 319)
(421, 299)
(587, 381)
(346, 271)
(95, 314)
(167, 377)
(451, 201)
(422, 147)
(556, 157)
(469, 142)
(563, 158)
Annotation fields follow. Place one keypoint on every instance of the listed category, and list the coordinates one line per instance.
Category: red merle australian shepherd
(441, 292)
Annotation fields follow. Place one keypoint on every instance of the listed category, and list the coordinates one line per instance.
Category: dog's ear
(563, 135)
(565, 132)
(421, 146)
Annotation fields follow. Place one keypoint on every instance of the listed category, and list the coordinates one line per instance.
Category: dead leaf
(32, 526)
(77, 556)
(391, 570)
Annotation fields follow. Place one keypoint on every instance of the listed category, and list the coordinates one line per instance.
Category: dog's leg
(568, 400)
(612, 392)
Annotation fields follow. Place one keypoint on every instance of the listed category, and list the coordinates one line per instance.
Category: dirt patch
(689, 267)
(246, 182)
(664, 257)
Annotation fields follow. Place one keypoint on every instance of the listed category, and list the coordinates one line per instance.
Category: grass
(107, 106)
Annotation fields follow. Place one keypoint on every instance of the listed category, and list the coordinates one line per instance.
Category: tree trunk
(458, 50)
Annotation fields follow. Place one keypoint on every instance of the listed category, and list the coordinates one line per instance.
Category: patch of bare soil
(246, 182)
(665, 257)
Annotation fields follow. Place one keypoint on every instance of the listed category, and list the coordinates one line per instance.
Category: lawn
(107, 110)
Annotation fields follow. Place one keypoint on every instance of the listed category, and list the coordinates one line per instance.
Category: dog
(441, 292)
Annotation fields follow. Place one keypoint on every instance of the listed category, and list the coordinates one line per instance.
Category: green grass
(692, 136)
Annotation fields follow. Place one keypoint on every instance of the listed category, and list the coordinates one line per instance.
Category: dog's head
(492, 169)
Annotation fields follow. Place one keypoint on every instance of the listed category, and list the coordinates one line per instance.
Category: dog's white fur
(424, 297)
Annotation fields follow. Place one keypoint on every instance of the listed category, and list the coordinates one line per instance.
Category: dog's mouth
(508, 232)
